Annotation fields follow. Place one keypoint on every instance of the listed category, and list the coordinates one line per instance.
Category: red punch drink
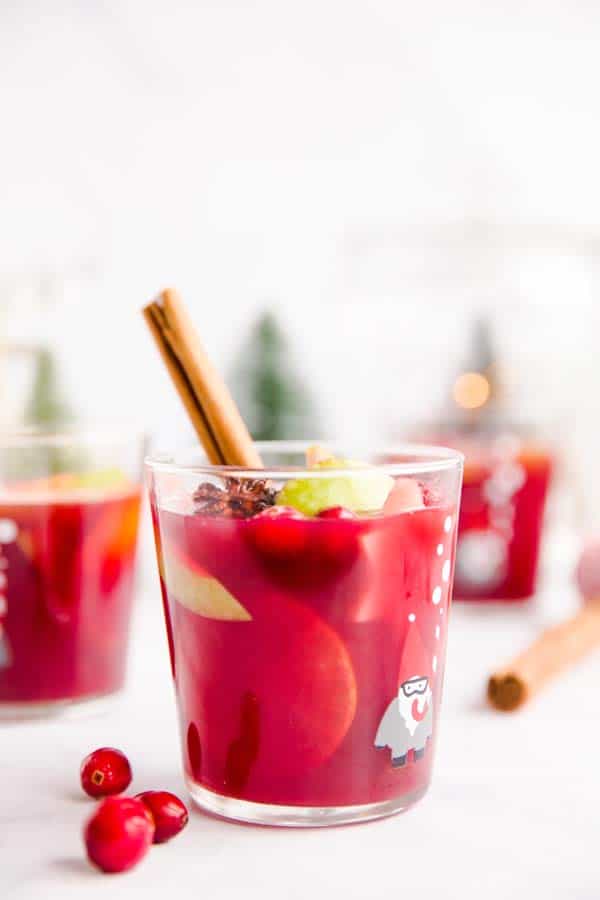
(67, 548)
(306, 612)
(504, 494)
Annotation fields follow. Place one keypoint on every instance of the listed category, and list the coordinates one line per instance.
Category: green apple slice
(200, 592)
(364, 489)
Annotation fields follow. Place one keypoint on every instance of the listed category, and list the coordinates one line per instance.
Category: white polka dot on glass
(437, 632)
(411, 617)
(8, 531)
(440, 549)
(436, 595)
(447, 524)
(446, 570)
(434, 663)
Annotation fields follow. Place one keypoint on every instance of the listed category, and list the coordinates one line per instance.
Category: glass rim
(434, 459)
(58, 436)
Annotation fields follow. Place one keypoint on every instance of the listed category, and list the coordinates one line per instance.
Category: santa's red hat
(415, 662)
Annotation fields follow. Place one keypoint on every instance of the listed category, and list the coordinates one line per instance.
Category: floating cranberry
(337, 512)
(194, 748)
(336, 542)
(105, 772)
(279, 532)
(118, 834)
(168, 813)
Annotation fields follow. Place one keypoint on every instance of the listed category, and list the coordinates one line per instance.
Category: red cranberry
(105, 772)
(279, 532)
(194, 749)
(336, 545)
(118, 834)
(168, 813)
(337, 512)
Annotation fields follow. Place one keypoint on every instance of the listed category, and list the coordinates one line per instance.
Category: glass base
(297, 816)
(50, 709)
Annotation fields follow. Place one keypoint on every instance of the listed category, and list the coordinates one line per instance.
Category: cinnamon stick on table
(210, 406)
(556, 649)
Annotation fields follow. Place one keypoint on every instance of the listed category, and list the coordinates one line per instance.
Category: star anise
(239, 499)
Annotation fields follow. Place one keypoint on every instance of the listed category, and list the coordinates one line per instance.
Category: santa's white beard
(405, 705)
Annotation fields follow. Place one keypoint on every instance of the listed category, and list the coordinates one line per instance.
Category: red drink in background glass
(67, 554)
(505, 485)
(293, 641)
(67, 572)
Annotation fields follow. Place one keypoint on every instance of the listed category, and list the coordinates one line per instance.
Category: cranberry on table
(169, 814)
(118, 834)
(337, 512)
(105, 772)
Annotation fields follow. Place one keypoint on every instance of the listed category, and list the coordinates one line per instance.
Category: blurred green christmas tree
(46, 405)
(47, 408)
(274, 402)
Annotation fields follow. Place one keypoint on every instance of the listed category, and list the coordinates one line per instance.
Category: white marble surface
(512, 812)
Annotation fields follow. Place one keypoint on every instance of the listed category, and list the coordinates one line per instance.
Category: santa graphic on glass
(407, 723)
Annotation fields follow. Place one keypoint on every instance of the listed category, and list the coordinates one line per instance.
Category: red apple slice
(198, 591)
(406, 494)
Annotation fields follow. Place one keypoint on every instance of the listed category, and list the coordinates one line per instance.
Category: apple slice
(317, 454)
(405, 495)
(272, 700)
(198, 591)
(363, 489)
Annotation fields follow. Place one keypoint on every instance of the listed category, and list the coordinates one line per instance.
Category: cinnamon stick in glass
(207, 400)
(555, 649)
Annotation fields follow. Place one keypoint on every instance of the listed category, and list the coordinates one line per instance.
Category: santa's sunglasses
(414, 686)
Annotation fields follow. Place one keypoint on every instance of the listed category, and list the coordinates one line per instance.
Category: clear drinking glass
(506, 480)
(307, 651)
(508, 472)
(69, 508)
